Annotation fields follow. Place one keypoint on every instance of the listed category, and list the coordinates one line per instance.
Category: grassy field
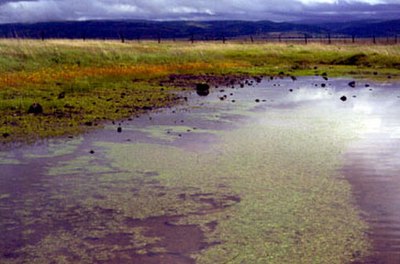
(81, 84)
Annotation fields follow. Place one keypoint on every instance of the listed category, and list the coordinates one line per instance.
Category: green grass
(93, 72)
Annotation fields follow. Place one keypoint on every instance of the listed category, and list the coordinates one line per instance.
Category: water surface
(260, 175)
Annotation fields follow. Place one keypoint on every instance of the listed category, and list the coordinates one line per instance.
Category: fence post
(395, 39)
(158, 37)
(251, 39)
(42, 35)
(192, 38)
(223, 38)
(121, 36)
(374, 39)
(329, 39)
(353, 39)
(305, 39)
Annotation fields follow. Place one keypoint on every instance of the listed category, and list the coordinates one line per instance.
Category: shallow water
(209, 181)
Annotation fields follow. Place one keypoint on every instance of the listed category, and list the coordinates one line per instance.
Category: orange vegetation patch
(66, 73)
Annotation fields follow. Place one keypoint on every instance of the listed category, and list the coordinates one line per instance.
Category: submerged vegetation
(80, 84)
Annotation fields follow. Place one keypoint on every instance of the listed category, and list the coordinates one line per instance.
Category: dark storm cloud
(278, 10)
(351, 11)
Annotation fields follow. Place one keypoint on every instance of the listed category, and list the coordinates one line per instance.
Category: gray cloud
(277, 10)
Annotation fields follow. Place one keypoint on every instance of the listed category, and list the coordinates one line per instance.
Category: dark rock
(389, 77)
(375, 73)
(88, 123)
(367, 85)
(6, 135)
(352, 84)
(91, 152)
(343, 98)
(324, 74)
(36, 109)
(119, 129)
(293, 78)
(325, 78)
(61, 95)
(202, 89)
(257, 100)
(290, 90)
(323, 84)
(258, 79)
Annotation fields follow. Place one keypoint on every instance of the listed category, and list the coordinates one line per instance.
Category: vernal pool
(279, 172)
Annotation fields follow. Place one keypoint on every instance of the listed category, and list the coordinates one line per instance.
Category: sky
(28, 11)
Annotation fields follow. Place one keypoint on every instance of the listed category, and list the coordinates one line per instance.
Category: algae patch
(290, 203)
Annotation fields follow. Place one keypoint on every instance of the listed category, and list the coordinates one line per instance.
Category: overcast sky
(275, 10)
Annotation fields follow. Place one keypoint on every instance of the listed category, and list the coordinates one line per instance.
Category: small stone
(6, 135)
(257, 100)
(352, 84)
(343, 98)
(35, 109)
(202, 89)
(119, 129)
(91, 152)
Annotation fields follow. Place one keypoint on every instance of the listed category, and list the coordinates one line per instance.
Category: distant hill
(199, 30)
(366, 28)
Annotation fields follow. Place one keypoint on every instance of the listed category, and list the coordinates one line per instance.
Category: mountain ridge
(201, 30)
